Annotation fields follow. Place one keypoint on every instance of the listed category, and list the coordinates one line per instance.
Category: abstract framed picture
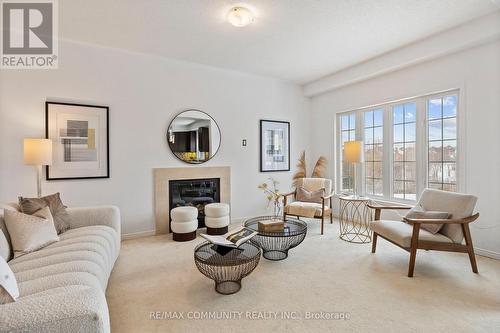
(274, 146)
(80, 139)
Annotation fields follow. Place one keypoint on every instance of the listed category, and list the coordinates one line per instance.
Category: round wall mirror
(193, 136)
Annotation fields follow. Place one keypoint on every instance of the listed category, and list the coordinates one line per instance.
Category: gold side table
(355, 216)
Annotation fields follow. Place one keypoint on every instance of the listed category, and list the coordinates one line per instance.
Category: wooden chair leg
(331, 211)
(322, 222)
(413, 250)
(470, 247)
(374, 242)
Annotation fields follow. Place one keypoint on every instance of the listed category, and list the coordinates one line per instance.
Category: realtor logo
(29, 34)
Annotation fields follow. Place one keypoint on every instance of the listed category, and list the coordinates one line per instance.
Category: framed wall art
(80, 139)
(274, 146)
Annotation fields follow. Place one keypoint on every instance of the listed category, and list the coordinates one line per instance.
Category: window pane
(377, 169)
(378, 134)
(410, 154)
(410, 112)
(450, 106)
(369, 185)
(410, 132)
(410, 171)
(344, 122)
(397, 114)
(398, 170)
(398, 133)
(436, 186)
(399, 152)
(369, 135)
(399, 189)
(435, 172)
(378, 187)
(345, 136)
(435, 130)
(369, 170)
(352, 121)
(378, 152)
(352, 135)
(449, 172)
(369, 153)
(434, 109)
(410, 190)
(450, 150)
(435, 151)
(369, 119)
(450, 128)
(378, 117)
(450, 187)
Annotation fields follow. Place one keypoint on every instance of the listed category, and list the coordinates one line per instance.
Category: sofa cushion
(57, 208)
(29, 233)
(298, 206)
(400, 233)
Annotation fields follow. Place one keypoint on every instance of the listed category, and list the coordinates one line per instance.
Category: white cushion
(184, 227)
(29, 233)
(457, 204)
(400, 233)
(184, 214)
(217, 222)
(217, 209)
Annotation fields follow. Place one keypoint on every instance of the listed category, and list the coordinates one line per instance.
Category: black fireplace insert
(196, 193)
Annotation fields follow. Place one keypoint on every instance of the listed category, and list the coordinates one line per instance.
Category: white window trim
(421, 144)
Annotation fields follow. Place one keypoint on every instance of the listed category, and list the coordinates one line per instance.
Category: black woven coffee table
(275, 245)
(227, 269)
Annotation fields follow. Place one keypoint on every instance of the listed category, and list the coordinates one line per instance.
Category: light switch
(244, 142)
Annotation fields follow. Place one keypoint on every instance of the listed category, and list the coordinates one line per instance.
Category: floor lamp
(38, 152)
(353, 153)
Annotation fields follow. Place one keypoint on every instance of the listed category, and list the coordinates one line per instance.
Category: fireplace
(194, 192)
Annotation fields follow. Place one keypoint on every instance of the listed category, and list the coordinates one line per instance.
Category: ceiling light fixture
(240, 16)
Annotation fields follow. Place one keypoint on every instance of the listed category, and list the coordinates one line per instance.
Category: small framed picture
(80, 140)
(274, 146)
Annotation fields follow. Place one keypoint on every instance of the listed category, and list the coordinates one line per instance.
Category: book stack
(272, 225)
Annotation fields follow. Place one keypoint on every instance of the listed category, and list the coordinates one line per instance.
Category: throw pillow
(418, 212)
(304, 195)
(57, 209)
(9, 291)
(29, 233)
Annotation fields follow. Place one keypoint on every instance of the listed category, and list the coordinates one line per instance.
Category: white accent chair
(217, 218)
(184, 223)
(316, 210)
(408, 235)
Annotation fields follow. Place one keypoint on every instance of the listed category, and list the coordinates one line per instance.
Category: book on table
(233, 238)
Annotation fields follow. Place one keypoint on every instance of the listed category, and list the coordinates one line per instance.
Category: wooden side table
(355, 216)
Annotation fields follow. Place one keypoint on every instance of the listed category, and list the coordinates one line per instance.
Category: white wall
(476, 72)
(144, 93)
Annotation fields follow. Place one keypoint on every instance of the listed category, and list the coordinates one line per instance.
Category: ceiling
(294, 40)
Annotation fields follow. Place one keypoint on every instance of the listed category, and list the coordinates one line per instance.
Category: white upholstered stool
(184, 223)
(217, 218)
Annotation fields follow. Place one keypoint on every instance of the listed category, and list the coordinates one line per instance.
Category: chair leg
(374, 242)
(413, 250)
(322, 222)
(470, 247)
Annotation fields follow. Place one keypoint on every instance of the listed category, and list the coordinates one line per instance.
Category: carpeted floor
(156, 287)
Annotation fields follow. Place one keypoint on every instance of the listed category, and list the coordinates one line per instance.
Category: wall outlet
(244, 142)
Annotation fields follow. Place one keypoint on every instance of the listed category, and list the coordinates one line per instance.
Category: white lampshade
(353, 151)
(37, 151)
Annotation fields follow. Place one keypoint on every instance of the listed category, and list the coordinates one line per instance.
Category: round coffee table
(275, 245)
(226, 269)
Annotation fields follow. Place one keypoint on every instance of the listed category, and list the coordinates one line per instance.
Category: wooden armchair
(315, 210)
(409, 236)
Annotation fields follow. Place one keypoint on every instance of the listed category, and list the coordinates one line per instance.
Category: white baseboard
(487, 253)
(138, 234)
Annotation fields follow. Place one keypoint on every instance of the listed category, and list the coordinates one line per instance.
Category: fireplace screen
(196, 193)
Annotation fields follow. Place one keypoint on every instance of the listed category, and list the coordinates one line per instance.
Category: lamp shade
(353, 151)
(38, 151)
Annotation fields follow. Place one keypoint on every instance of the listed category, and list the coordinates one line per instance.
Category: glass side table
(355, 217)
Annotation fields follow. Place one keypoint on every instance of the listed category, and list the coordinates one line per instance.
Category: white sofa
(62, 286)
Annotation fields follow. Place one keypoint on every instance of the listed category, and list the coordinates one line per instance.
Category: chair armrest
(287, 194)
(468, 219)
(328, 196)
(388, 207)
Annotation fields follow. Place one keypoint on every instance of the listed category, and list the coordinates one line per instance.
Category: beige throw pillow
(418, 212)
(304, 195)
(29, 233)
(57, 209)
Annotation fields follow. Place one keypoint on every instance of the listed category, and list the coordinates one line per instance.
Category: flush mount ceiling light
(240, 16)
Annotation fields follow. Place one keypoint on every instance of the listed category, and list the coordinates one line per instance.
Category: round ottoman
(217, 218)
(184, 223)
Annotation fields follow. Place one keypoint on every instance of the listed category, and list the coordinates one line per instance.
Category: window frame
(421, 143)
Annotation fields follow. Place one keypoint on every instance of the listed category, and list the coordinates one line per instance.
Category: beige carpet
(323, 275)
